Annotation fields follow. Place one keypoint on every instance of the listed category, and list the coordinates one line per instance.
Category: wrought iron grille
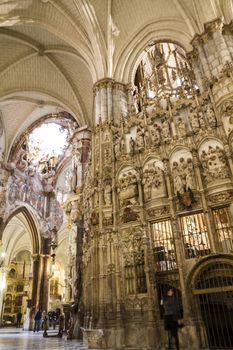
(214, 290)
(224, 229)
(163, 246)
(135, 276)
(195, 235)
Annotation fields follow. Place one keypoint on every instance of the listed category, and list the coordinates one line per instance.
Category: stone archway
(212, 293)
(19, 233)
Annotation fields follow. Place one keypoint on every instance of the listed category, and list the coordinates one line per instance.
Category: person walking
(170, 305)
(37, 320)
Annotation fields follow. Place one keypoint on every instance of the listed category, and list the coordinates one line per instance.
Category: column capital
(103, 83)
(109, 83)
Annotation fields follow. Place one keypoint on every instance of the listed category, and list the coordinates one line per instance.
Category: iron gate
(214, 290)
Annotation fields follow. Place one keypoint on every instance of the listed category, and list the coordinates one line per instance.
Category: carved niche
(128, 194)
(128, 187)
(183, 178)
(226, 112)
(153, 180)
(214, 162)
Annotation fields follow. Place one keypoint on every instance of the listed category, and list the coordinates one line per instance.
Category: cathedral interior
(116, 168)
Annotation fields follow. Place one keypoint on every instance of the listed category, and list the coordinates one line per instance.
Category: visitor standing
(170, 305)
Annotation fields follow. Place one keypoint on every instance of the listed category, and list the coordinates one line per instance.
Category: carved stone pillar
(214, 58)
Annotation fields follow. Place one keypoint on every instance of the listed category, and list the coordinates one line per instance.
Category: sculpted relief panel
(153, 180)
(214, 162)
(128, 187)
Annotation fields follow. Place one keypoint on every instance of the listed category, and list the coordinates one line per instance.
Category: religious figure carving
(184, 182)
(166, 133)
(181, 128)
(155, 135)
(210, 115)
(128, 188)
(23, 162)
(117, 145)
(108, 194)
(147, 138)
(214, 164)
(194, 122)
(131, 146)
(139, 141)
(153, 182)
(183, 175)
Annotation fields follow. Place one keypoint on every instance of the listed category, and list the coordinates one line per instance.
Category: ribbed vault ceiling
(53, 51)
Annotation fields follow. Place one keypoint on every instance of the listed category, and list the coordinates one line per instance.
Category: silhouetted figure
(18, 319)
(37, 320)
(170, 305)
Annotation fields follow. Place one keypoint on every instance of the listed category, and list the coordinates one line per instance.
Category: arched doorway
(213, 291)
(19, 243)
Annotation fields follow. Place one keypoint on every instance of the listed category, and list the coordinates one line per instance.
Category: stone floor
(16, 339)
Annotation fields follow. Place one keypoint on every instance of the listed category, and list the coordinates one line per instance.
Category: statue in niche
(166, 133)
(184, 182)
(128, 188)
(147, 183)
(131, 146)
(95, 193)
(108, 194)
(183, 175)
(210, 115)
(75, 166)
(23, 157)
(214, 164)
(139, 141)
(147, 138)
(117, 145)
(153, 182)
(181, 127)
(155, 135)
(201, 120)
(107, 156)
(178, 184)
(194, 122)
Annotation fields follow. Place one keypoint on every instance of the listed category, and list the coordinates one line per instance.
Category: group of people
(43, 320)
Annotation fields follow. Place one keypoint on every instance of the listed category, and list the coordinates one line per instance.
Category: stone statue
(147, 138)
(210, 115)
(128, 188)
(153, 182)
(155, 135)
(117, 145)
(194, 122)
(201, 120)
(181, 128)
(166, 133)
(108, 194)
(183, 175)
(131, 146)
(140, 142)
